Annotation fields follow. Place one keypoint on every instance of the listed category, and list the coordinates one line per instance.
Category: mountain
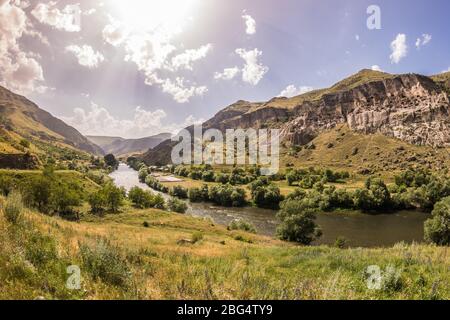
(408, 108)
(27, 129)
(120, 146)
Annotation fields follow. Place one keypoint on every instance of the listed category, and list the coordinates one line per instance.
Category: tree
(111, 161)
(141, 199)
(64, 197)
(437, 229)
(298, 222)
(267, 196)
(97, 201)
(114, 197)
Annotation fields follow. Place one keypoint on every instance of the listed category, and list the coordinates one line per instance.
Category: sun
(148, 15)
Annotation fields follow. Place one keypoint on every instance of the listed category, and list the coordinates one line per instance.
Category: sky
(135, 68)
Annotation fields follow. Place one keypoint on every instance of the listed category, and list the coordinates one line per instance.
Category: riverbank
(360, 230)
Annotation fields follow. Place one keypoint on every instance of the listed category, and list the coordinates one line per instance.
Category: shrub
(227, 195)
(104, 261)
(143, 173)
(64, 197)
(179, 192)
(374, 197)
(176, 205)
(239, 224)
(146, 224)
(437, 229)
(111, 161)
(114, 197)
(198, 194)
(196, 237)
(267, 196)
(13, 207)
(141, 199)
(159, 202)
(97, 201)
(340, 242)
(25, 143)
(208, 176)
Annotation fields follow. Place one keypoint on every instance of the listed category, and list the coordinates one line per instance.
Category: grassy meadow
(153, 254)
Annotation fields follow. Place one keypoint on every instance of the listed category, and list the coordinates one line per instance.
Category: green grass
(124, 259)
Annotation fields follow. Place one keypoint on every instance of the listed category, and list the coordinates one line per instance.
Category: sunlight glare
(167, 15)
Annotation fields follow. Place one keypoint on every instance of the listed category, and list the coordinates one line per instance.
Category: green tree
(111, 161)
(437, 229)
(114, 197)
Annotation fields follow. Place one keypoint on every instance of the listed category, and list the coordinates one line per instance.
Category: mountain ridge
(121, 146)
(410, 107)
(23, 122)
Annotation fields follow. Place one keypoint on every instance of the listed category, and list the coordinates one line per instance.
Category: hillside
(120, 146)
(21, 119)
(122, 259)
(407, 108)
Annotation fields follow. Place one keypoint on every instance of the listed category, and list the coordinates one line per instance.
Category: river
(361, 230)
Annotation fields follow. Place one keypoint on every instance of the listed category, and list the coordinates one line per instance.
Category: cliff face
(411, 108)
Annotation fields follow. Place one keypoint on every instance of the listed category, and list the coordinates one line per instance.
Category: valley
(363, 181)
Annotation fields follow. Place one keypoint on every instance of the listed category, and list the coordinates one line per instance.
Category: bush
(437, 229)
(13, 207)
(340, 242)
(143, 173)
(104, 261)
(97, 201)
(176, 205)
(239, 224)
(267, 196)
(374, 197)
(111, 161)
(179, 192)
(196, 237)
(64, 197)
(114, 197)
(141, 199)
(198, 194)
(227, 195)
(25, 143)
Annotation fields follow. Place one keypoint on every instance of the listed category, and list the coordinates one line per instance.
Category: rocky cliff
(410, 107)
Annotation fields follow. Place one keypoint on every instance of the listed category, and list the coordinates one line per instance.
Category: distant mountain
(120, 146)
(407, 108)
(23, 122)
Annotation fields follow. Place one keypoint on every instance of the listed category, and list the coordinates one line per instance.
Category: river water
(360, 230)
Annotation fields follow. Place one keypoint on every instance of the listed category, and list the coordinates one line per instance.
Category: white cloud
(426, 38)
(19, 70)
(98, 121)
(180, 92)
(67, 19)
(250, 24)
(253, 71)
(448, 70)
(227, 74)
(185, 59)
(292, 91)
(86, 55)
(114, 33)
(376, 68)
(357, 37)
(399, 48)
